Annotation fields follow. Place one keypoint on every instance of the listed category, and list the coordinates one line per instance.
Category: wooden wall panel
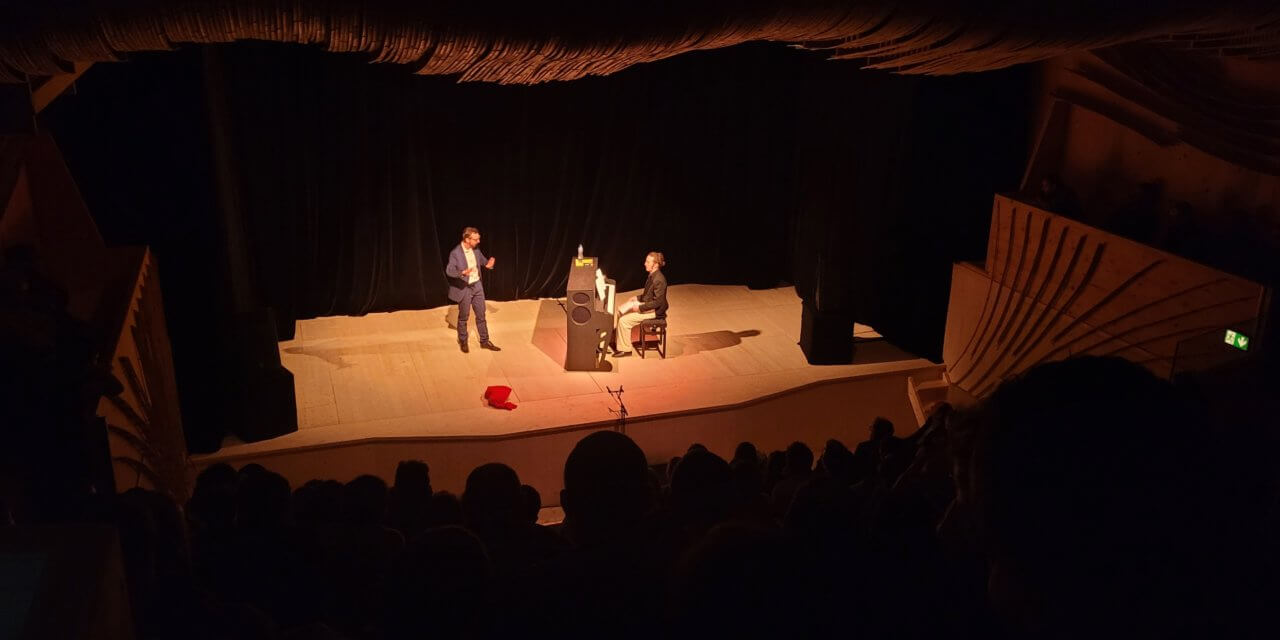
(144, 423)
(1052, 287)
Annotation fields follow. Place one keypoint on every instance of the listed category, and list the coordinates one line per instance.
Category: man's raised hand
(489, 264)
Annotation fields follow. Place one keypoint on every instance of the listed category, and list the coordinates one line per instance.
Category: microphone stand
(621, 411)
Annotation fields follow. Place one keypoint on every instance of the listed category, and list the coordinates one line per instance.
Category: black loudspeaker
(826, 337)
(268, 407)
(586, 331)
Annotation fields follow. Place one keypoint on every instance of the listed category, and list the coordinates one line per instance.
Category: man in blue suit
(466, 289)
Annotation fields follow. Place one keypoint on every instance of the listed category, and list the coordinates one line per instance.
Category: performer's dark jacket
(654, 297)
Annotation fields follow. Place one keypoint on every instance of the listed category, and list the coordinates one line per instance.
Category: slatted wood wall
(1052, 287)
(144, 424)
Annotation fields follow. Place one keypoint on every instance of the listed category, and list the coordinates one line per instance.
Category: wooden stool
(655, 327)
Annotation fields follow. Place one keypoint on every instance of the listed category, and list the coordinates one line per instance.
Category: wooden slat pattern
(559, 41)
(1056, 287)
(145, 425)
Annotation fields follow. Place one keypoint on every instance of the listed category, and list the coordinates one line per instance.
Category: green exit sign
(1237, 340)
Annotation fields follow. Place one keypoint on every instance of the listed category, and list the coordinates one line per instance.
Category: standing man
(466, 289)
(652, 303)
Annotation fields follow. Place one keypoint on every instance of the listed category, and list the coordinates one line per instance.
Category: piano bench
(653, 328)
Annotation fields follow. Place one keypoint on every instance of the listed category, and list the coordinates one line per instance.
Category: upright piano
(590, 315)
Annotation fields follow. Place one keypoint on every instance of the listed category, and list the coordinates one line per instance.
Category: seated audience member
(837, 463)
(362, 554)
(1096, 491)
(317, 504)
(702, 491)
(409, 500)
(869, 457)
(446, 510)
(775, 465)
(532, 503)
(746, 451)
(495, 509)
(742, 581)
(439, 588)
(799, 466)
(613, 582)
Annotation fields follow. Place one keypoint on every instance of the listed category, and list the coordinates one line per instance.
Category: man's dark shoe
(620, 354)
(490, 346)
(462, 344)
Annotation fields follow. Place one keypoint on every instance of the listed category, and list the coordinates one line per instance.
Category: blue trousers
(472, 298)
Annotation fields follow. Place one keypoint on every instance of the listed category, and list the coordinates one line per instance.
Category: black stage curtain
(355, 180)
(753, 165)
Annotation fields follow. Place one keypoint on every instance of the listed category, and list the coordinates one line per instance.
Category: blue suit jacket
(453, 271)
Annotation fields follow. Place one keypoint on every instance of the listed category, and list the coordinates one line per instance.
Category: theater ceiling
(533, 42)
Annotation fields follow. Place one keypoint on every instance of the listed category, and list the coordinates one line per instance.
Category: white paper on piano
(604, 291)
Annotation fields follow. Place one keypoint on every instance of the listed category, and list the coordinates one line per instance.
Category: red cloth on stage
(497, 397)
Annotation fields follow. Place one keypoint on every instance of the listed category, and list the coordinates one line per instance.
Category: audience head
(740, 580)
(1084, 482)
(838, 463)
(216, 477)
(263, 498)
(493, 496)
(881, 428)
(532, 503)
(413, 476)
(318, 502)
(437, 587)
(671, 467)
(775, 466)
(606, 487)
(445, 509)
(251, 469)
(799, 459)
(364, 500)
(748, 477)
(702, 488)
(821, 509)
(746, 451)
(213, 500)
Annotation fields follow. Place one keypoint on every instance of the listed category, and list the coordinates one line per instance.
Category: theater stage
(399, 378)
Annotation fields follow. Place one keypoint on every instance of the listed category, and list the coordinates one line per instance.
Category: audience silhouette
(1084, 498)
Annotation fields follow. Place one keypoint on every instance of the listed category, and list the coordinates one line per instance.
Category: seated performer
(652, 303)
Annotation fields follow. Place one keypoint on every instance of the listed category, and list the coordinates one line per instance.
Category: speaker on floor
(270, 409)
(826, 337)
(267, 407)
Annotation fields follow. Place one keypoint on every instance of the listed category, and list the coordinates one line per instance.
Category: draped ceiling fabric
(535, 42)
(1192, 100)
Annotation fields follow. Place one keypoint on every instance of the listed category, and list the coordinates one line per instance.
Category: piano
(590, 316)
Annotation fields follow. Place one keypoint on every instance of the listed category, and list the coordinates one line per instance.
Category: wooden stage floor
(401, 375)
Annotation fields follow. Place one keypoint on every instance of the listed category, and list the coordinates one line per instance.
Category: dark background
(283, 177)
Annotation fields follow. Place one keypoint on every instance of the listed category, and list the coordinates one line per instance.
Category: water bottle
(579, 251)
